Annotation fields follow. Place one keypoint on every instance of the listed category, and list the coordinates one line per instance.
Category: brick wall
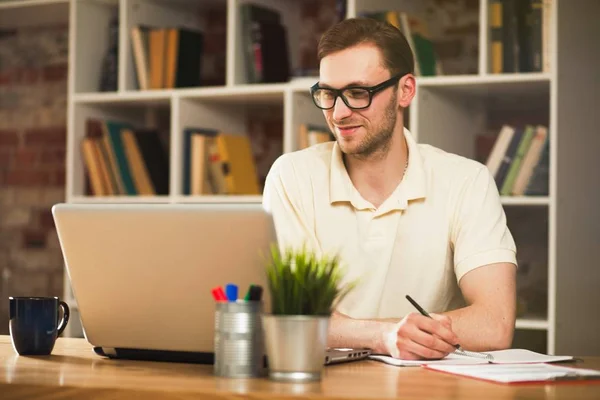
(33, 93)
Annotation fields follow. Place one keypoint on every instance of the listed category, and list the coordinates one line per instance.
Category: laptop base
(207, 358)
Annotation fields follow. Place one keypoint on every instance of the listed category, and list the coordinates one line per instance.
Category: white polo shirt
(443, 220)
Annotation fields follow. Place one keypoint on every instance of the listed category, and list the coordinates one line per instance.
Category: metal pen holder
(239, 341)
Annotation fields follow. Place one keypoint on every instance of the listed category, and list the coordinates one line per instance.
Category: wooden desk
(74, 371)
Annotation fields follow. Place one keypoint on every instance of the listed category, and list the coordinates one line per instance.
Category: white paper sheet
(518, 373)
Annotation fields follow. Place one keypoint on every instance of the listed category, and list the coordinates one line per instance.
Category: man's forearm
(357, 333)
(480, 329)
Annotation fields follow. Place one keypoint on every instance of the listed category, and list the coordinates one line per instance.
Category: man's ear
(407, 87)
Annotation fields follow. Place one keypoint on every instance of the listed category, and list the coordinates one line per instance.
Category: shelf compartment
(241, 41)
(529, 227)
(257, 115)
(531, 339)
(151, 115)
(461, 110)
(207, 17)
(93, 34)
(455, 39)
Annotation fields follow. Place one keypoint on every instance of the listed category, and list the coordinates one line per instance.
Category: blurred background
(145, 100)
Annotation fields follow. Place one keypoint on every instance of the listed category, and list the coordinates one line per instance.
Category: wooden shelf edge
(7, 5)
(119, 199)
(532, 324)
(180, 199)
(525, 200)
(241, 91)
(219, 199)
(456, 80)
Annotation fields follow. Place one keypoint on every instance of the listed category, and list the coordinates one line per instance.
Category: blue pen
(231, 291)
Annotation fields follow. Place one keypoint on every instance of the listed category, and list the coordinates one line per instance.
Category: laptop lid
(142, 274)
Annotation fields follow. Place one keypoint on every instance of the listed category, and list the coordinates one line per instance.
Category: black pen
(425, 313)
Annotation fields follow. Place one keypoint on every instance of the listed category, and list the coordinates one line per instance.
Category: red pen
(218, 294)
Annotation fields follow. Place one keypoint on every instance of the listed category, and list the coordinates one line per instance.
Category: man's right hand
(418, 337)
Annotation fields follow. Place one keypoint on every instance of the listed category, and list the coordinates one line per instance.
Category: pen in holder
(239, 346)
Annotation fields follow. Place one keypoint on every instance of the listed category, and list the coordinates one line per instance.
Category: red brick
(5, 158)
(462, 30)
(7, 77)
(45, 219)
(9, 138)
(28, 76)
(46, 136)
(21, 177)
(59, 177)
(450, 48)
(55, 156)
(25, 158)
(34, 238)
(55, 73)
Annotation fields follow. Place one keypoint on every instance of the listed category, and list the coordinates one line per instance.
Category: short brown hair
(395, 50)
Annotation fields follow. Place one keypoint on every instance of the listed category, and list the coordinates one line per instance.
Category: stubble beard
(377, 140)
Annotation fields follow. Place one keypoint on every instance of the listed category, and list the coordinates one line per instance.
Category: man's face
(366, 131)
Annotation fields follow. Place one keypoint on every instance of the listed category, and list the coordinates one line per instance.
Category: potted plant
(304, 289)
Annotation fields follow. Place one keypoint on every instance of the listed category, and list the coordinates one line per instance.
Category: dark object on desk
(34, 323)
(254, 293)
(157, 355)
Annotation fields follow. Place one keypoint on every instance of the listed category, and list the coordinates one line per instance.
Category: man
(406, 218)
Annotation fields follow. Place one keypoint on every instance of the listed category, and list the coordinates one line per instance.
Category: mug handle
(65, 317)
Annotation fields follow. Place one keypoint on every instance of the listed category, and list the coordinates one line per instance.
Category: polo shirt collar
(413, 185)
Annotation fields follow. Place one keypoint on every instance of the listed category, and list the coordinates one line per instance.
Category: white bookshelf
(448, 112)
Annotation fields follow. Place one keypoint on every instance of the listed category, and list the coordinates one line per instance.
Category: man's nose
(340, 110)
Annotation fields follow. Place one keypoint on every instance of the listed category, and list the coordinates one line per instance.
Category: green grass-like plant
(301, 283)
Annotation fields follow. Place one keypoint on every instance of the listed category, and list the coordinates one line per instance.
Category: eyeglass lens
(355, 98)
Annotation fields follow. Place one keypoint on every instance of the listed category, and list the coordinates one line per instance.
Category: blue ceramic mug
(35, 324)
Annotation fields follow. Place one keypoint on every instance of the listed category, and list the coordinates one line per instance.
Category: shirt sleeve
(283, 197)
(480, 235)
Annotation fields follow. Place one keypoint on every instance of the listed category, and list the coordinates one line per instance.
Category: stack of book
(218, 163)
(519, 160)
(121, 159)
(520, 35)
(309, 135)
(265, 44)
(167, 58)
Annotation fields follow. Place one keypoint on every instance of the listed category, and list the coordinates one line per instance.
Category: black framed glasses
(355, 97)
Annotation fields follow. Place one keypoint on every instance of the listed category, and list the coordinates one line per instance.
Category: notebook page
(451, 359)
(510, 356)
(518, 373)
(522, 356)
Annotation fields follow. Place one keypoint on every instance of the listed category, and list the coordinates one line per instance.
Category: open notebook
(511, 356)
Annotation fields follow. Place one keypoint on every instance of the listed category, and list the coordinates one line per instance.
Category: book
(515, 164)
(496, 156)
(530, 161)
(510, 356)
(237, 163)
(530, 373)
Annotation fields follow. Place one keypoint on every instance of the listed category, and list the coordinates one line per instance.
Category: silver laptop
(142, 274)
